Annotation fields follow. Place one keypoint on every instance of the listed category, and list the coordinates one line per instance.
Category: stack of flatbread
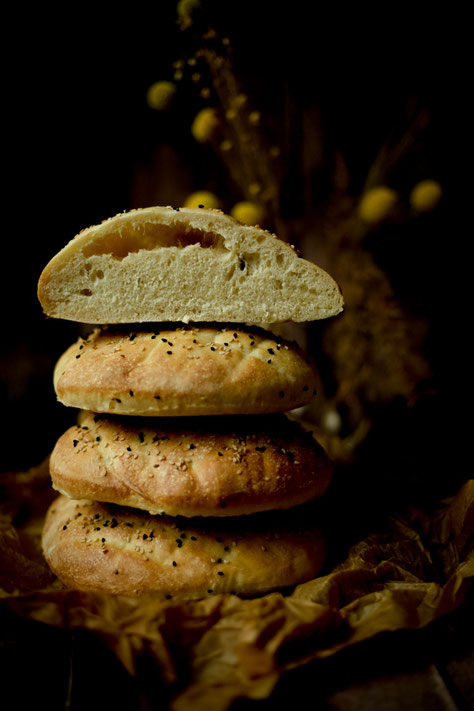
(184, 477)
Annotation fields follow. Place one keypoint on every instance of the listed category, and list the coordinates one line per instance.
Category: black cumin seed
(133, 336)
(141, 437)
(174, 564)
(269, 361)
(97, 439)
(212, 348)
(179, 542)
(194, 340)
(131, 393)
(169, 343)
(168, 597)
(220, 454)
(219, 540)
(252, 343)
(282, 394)
(145, 536)
(226, 344)
(103, 540)
(271, 351)
(191, 446)
(117, 399)
(219, 560)
(165, 340)
(242, 265)
(210, 591)
(114, 523)
(157, 397)
(220, 572)
(193, 538)
(170, 352)
(75, 441)
(64, 528)
(226, 548)
(260, 449)
(129, 524)
(223, 504)
(200, 205)
(235, 335)
(305, 388)
(153, 337)
(78, 356)
(129, 449)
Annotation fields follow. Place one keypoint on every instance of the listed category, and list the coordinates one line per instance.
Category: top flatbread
(184, 264)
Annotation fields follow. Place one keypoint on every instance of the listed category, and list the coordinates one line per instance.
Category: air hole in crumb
(99, 274)
(88, 267)
(86, 292)
(280, 259)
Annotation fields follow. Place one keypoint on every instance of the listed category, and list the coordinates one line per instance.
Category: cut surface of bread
(184, 371)
(183, 264)
(205, 466)
(102, 548)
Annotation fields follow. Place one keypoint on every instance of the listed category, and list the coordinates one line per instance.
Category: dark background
(78, 129)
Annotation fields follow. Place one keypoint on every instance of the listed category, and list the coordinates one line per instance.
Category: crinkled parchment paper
(213, 651)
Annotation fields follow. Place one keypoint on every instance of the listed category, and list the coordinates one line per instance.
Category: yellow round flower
(202, 197)
(426, 195)
(160, 94)
(248, 212)
(377, 204)
(204, 125)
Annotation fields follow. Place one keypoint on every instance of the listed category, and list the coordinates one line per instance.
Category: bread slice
(183, 264)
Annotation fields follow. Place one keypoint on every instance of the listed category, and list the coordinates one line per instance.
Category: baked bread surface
(184, 371)
(95, 547)
(217, 466)
(184, 264)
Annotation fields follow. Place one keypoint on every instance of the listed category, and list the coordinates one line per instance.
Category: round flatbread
(184, 371)
(100, 548)
(206, 466)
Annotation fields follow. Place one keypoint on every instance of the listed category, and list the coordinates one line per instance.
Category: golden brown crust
(94, 547)
(184, 371)
(222, 466)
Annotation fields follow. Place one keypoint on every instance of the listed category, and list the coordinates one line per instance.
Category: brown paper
(405, 576)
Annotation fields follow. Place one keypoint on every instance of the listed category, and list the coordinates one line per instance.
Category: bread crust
(99, 548)
(186, 264)
(184, 371)
(222, 466)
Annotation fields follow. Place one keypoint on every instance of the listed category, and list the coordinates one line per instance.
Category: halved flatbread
(183, 264)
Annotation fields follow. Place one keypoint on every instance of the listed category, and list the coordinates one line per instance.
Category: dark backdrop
(77, 128)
